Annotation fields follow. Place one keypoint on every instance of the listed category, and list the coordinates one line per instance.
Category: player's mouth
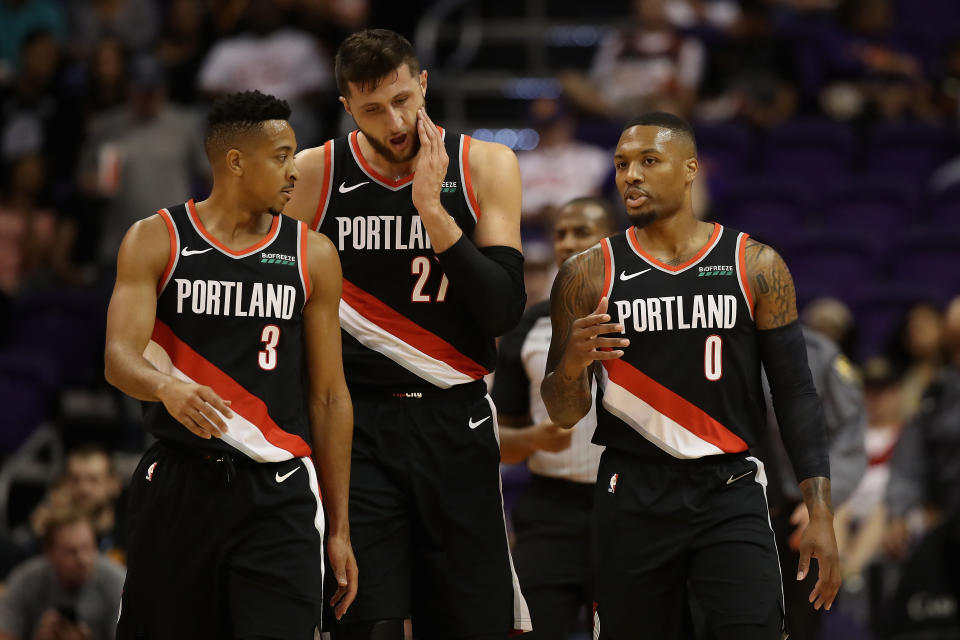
(287, 191)
(635, 197)
(399, 141)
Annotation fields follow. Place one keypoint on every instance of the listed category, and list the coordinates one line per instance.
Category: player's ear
(346, 105)
(691, 168)
(235, 161)
(423, 81)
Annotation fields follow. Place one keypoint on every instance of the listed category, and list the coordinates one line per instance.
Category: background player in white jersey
(427, 225)
(680, 502)
(552, 516)
(239, 306)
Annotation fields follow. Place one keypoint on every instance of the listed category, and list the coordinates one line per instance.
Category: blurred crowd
(101, 111)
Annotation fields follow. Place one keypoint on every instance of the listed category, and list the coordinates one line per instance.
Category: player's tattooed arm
(816, 494)
(577, 319)
(772, 285)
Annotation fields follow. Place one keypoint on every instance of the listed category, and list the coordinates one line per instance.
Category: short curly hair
(239, 114)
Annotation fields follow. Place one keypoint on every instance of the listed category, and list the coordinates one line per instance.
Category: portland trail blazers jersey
(233, 320)
(404, 325)
(689, 385)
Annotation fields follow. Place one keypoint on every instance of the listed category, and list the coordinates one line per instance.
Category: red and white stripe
(466, 182)
(251, 430)
(174, 250)
(325, 192)
(376, 326)
(522, 622)
(742, 272)
(609, 268)
(663, 417)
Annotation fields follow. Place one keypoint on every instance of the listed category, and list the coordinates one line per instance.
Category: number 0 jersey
(689, 384)
(233, 320)
(404, 325)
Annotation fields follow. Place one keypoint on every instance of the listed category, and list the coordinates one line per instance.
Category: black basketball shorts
(672, 531)
(222, 547)
(426, 514)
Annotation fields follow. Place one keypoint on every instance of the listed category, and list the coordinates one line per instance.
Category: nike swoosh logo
(624, 276)
(192, 252)
(281, 478)
(731, 479)
(474, 425)
(345, 189)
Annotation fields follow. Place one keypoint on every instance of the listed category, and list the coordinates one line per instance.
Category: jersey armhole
(174, 250)
(607, 269)
(465, 178)
(325, 190)
(742, 272)
(302, 233)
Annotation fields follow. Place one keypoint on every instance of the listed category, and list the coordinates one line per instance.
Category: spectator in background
(107, 77)
(561, 167)
(925, 467)
(134, 22)
(69, 593)
(860, 522)
(552, 517)
(186, 37)
(279, 60)
(90, 484)
(34, 116)
(644, 66)
(869, 71)
(832, 318)
(33, 249)
(141, 156)
(844, 412)
(918, 350)
(20, 18)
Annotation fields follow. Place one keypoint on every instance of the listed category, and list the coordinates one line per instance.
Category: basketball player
(427, 225)
(552, 516)
(679, 499)
(238, 305)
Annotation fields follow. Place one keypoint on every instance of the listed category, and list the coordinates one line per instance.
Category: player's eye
(620, 165)
(649, 160)
(401, 100)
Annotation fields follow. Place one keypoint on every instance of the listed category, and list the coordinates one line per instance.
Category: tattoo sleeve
(776, 298)
(575, 294)
(816, 494)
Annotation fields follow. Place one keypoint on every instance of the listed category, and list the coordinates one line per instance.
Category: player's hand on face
(196, 407)
(431, 166)
(819, 541)
(585, 346)
(344, 566)
(551, 437)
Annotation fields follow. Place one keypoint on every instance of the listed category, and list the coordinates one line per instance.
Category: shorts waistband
(467, 391)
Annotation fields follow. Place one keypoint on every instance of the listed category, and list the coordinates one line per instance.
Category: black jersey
(689, 384)
(233, 320)
(403, 324)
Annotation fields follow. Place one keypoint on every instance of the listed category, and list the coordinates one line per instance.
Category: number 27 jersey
(688, 385)
(404, 324)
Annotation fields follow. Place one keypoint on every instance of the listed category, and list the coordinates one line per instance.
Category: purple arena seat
(808, 150)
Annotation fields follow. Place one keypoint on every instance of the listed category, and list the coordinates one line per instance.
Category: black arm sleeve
(489, 281)
(795, 400)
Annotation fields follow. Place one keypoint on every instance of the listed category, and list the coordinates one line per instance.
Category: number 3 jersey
(403, 323)
(688, 386)
(233, 320)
